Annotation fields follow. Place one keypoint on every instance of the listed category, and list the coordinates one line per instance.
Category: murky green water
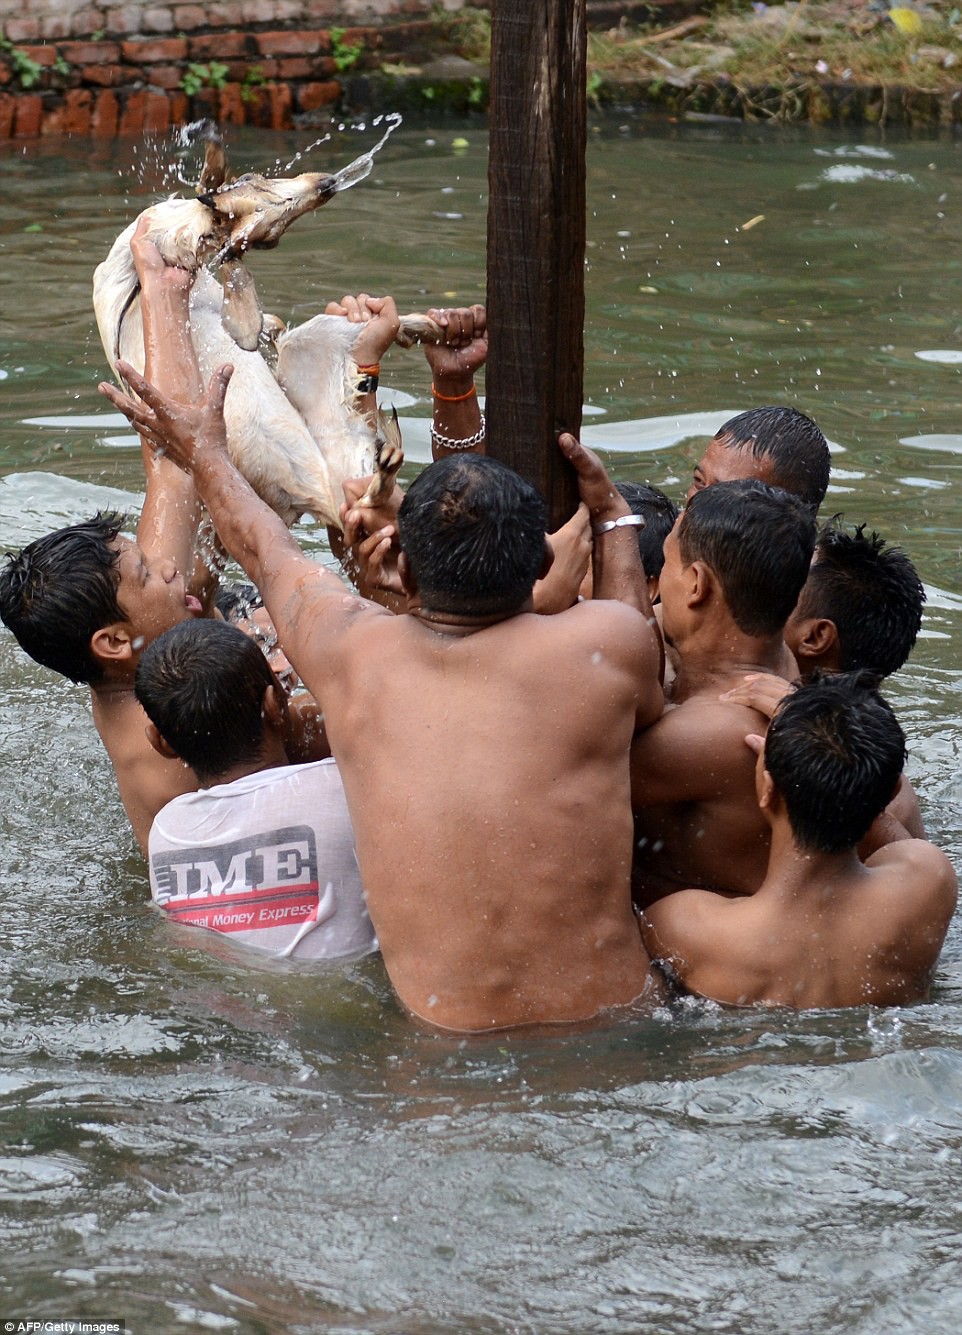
(193, 1143)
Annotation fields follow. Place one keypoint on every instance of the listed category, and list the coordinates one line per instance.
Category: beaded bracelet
(454, 398)
(464, 444)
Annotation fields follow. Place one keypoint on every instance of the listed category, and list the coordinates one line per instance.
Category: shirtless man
(860, 607)
(734, 564)
(484, 749)
(824, 929)
(780, 446)
(85, 600)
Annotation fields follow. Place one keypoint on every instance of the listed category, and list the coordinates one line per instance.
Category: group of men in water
(562, 802)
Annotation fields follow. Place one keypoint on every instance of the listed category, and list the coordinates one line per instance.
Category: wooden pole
(534, 382)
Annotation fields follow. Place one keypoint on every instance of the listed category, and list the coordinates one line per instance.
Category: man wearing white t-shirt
(264, 851)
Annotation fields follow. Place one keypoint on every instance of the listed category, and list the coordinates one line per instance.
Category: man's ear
(701, 581)
(274, 705)
(548, 559)
(158, 743)
(112, 644)
(408, 582)
(819, 639)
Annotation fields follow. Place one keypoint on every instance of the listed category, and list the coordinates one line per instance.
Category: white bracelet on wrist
(624, 521)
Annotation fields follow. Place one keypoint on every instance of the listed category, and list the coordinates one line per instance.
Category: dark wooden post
(534, 380)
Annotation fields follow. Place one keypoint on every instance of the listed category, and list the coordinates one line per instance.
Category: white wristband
(624, 521)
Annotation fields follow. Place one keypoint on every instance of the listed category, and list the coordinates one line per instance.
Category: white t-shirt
(268, 859)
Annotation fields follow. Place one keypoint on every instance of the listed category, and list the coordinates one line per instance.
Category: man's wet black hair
(758, 540)
(660, 513)
(473, 531)
(202, 685)
(835, 751)
(60, 590)
(798, 451)
(873, 594)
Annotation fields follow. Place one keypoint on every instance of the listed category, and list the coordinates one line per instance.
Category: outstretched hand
(595, 487)
(182, 431)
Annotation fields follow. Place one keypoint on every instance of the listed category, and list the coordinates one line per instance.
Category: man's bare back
(485, 758)
(823, 929)
(491, 809)
(869, 936)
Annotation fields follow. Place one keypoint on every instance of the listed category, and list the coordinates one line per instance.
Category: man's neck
(805, 875)
(112, 691)
(710, 662)
(459, 623)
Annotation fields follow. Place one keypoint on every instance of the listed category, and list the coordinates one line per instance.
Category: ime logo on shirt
(276, 861)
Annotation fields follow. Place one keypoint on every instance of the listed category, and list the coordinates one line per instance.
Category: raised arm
(172, 510)
(617, 570)
(308, 604)
(458, 423)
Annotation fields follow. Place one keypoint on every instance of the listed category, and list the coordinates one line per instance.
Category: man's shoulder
(682, 924)
(916, 869)
(608, 621)
(712, 720)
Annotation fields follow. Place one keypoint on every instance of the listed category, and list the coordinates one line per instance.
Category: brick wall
(53, 20)
(72, 67)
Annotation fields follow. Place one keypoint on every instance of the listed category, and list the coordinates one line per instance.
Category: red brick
(230, 105)
(156, 18)
(305, 43)
(118, 21)
(310, 96)
(279, 96)
(106, 114)
(219, 46)
(226, 15)
(43, 55)
(165, 76)
(179, 108)
(78, 105)
(270, 107)
(295, 67)
(22, 30)
(28, 116)
(53, 119)
(54, 29)
(268, 68)
(154, 50)
(188, 17)
(107, 76)
(85, 21)
(132, 114)
(5, 75)
(8, 108)
(157, 113)
(90, 53)
(204, 102)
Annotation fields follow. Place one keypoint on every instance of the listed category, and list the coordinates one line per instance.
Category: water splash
(357, 170)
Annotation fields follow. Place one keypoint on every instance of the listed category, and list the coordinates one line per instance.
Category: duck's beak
(257, 210)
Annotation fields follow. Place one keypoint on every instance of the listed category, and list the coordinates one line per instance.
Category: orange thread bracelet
(454, 398)
(370, 370)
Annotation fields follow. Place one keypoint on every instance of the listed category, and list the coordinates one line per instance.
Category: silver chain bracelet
(465, 444)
